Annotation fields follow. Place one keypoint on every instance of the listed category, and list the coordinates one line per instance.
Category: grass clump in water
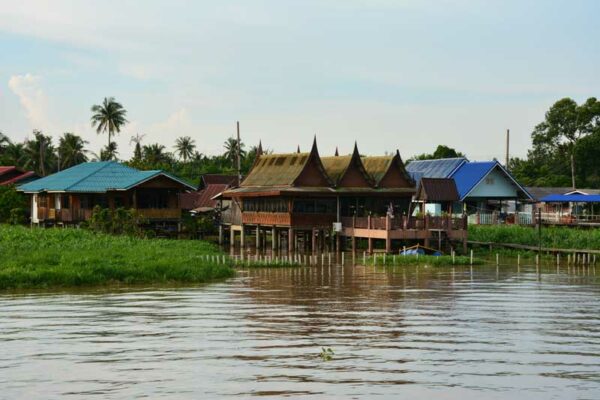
(31, 258)
(403, 260)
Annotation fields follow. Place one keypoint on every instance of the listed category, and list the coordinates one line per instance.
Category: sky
(389, 74)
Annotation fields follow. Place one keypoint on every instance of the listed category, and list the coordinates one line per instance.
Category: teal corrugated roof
(94, 177)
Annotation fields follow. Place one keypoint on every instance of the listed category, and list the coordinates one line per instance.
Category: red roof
(11, 174)
(212, 179)
(201, 198)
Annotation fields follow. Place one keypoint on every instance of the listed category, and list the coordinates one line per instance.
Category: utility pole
(507, 148)
(239, 151)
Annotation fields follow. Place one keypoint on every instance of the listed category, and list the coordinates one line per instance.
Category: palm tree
(108, 117)
(13, 154)
(185, 147)
(4, 143)
(39, 154)
(71, 150)
(109, 152)
(154, 154)
(231, 148)
(137, 139)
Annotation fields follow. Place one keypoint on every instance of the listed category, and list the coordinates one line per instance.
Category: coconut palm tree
(108, 117)
(4, 141)
(231, 148)
(185, 147)
(154, 154)
(71, 150)
(13, 154)
(137, 139)
(109, 152)
(39, 154)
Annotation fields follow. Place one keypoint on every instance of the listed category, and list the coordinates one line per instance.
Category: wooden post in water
(343, 259)
(364, 258)
(497, 259)
(471, 257)
(453, 255)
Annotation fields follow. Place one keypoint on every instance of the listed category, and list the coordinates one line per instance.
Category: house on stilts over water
(305, 202)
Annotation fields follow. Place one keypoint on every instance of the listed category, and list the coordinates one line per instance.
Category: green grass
(554, 237)
(39, 258)
(435, 261)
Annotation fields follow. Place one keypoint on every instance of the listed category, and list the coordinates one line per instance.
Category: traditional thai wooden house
(69, 196)
(307, 201)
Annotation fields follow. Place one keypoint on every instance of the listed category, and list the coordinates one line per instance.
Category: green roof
(95, 177)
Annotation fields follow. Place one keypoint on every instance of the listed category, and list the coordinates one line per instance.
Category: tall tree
(71, 150)
(441, 151)
(4, 142)
(108, 117)
(564, 125)
(154, 154)
(137, 151)
(39, 154)
(109, 152)
(13, 154)
(185, 147)
(231, 148)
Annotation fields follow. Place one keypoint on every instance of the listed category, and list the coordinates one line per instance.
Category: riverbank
(553, 237)
(39, 258)
(435, 261)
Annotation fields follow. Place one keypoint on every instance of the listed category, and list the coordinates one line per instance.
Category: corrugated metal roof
(470, 174)
(571, 198)
(94, 177)
(10, 175)
(202, 198)
(441, 168)
(437, 190)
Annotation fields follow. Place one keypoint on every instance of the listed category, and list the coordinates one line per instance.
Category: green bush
(17, 216)
(10, 199)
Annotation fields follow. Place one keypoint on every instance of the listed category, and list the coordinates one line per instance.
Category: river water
(403, 332)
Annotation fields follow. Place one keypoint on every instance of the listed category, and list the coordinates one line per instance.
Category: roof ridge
(106, 163)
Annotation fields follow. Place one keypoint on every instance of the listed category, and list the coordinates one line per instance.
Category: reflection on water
(396, 333)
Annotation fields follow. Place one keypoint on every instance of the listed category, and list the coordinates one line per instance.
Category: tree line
(41, 154)
(565, 149)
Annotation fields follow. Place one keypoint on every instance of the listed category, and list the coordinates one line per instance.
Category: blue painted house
(483, 186)
(69, 196)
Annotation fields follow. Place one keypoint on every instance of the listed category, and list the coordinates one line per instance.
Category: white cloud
(32, 99)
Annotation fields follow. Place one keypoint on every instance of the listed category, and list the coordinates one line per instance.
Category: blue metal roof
(94, 177)
(571, 198)
(441, 168)
(469, 174)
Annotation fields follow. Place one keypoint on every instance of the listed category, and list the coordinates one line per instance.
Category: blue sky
(388, 74)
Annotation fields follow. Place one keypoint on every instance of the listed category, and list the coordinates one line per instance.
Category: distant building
(484, 187)
(68, 197)
(203, 200)
(11, 175)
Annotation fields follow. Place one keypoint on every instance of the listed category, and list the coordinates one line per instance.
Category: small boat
(420, 250)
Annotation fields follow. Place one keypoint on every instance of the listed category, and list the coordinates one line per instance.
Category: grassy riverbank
(553, 237)
(74, 257)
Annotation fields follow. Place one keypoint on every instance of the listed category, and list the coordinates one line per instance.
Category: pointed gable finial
(337, 153)
(259, 149)
(355, 151)
(298, 149)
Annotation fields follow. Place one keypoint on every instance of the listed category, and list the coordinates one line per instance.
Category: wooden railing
(287, 219)
(406, 223)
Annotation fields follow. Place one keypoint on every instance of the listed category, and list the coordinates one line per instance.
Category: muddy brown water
(403, 332)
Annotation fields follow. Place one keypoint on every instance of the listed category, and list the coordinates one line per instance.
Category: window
(489, 180)
(65, 201)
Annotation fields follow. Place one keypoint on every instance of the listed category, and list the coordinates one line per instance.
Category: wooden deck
(404, 228)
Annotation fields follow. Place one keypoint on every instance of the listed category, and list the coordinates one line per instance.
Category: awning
(571, 198)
